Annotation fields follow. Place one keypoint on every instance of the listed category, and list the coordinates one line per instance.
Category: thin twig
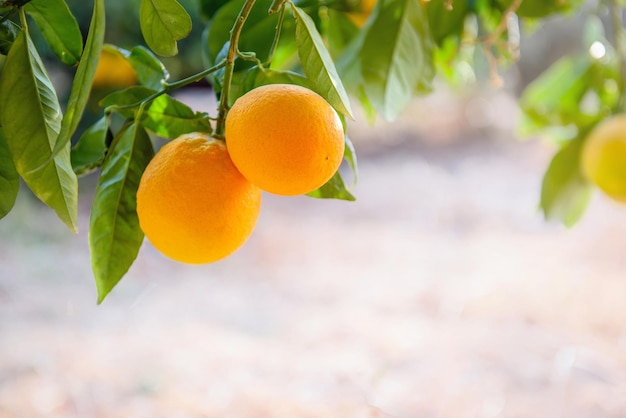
(490, 40)
(230, 65)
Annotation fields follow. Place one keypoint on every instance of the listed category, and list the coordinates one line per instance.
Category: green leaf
(349, 154)
(165, 116)
(169, 118)
(31, 128)
(349, 64)
(333, 189)
(542, 8)
(446, 21)
(396, 56)
(8, 33)
(114, 233)
(163, 22)
(79, 95)
(59, 28)
(208, 8)
(88, 153)
(150, 71)
(9, 179)
(554, 97)
(256, 35)
(256, 77)
(339, 31)
(318, 65)
(565, 193)
(127, 97)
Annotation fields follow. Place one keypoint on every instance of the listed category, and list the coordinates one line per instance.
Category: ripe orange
(604, 157)
(193, 204)
(286, 139)
(113, 71)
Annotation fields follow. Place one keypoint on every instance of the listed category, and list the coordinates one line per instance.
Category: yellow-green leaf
(114, 233)
(163, 22)
(30, 116)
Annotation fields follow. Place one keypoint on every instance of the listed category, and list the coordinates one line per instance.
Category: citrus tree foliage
(381, 59)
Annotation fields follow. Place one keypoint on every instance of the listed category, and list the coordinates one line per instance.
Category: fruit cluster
(200, 197)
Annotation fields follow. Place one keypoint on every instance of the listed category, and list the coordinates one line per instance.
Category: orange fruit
(113, 71)
(362, 13)
(604, 157)
(193, 204)
(284, 138)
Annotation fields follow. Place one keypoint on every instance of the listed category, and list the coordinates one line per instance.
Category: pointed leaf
(127, 97)
(318, 65)
(163, 22)
(32, 127)
(565, 193)
(396, 56)
(333, 189)
(88, 153)
(150, 71)
(9, 179)
(59, 28)
(170, 118)
(114, 233)
(79, 95)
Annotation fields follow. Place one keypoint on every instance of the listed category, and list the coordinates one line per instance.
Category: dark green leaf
(150, 71)
(31, 127)
(208, 8)
(217, 78)
(59, 27)
(396, 56)
(565, 193)
(79, 95)
(163, 22)
(318, 65)
(8, 33)
(169, 118)
(9, 179)
(165, 116)
(333, 189)
(114, 233)
(88, 153)
(257, 77)
(126, 97)
(445, 21)
(257, 34)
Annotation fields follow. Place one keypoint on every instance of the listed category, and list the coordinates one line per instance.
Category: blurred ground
(440, 293)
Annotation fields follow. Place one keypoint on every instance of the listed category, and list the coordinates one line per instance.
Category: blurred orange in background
(113, 71)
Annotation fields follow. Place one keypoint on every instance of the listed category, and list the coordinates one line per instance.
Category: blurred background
(441, 292)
